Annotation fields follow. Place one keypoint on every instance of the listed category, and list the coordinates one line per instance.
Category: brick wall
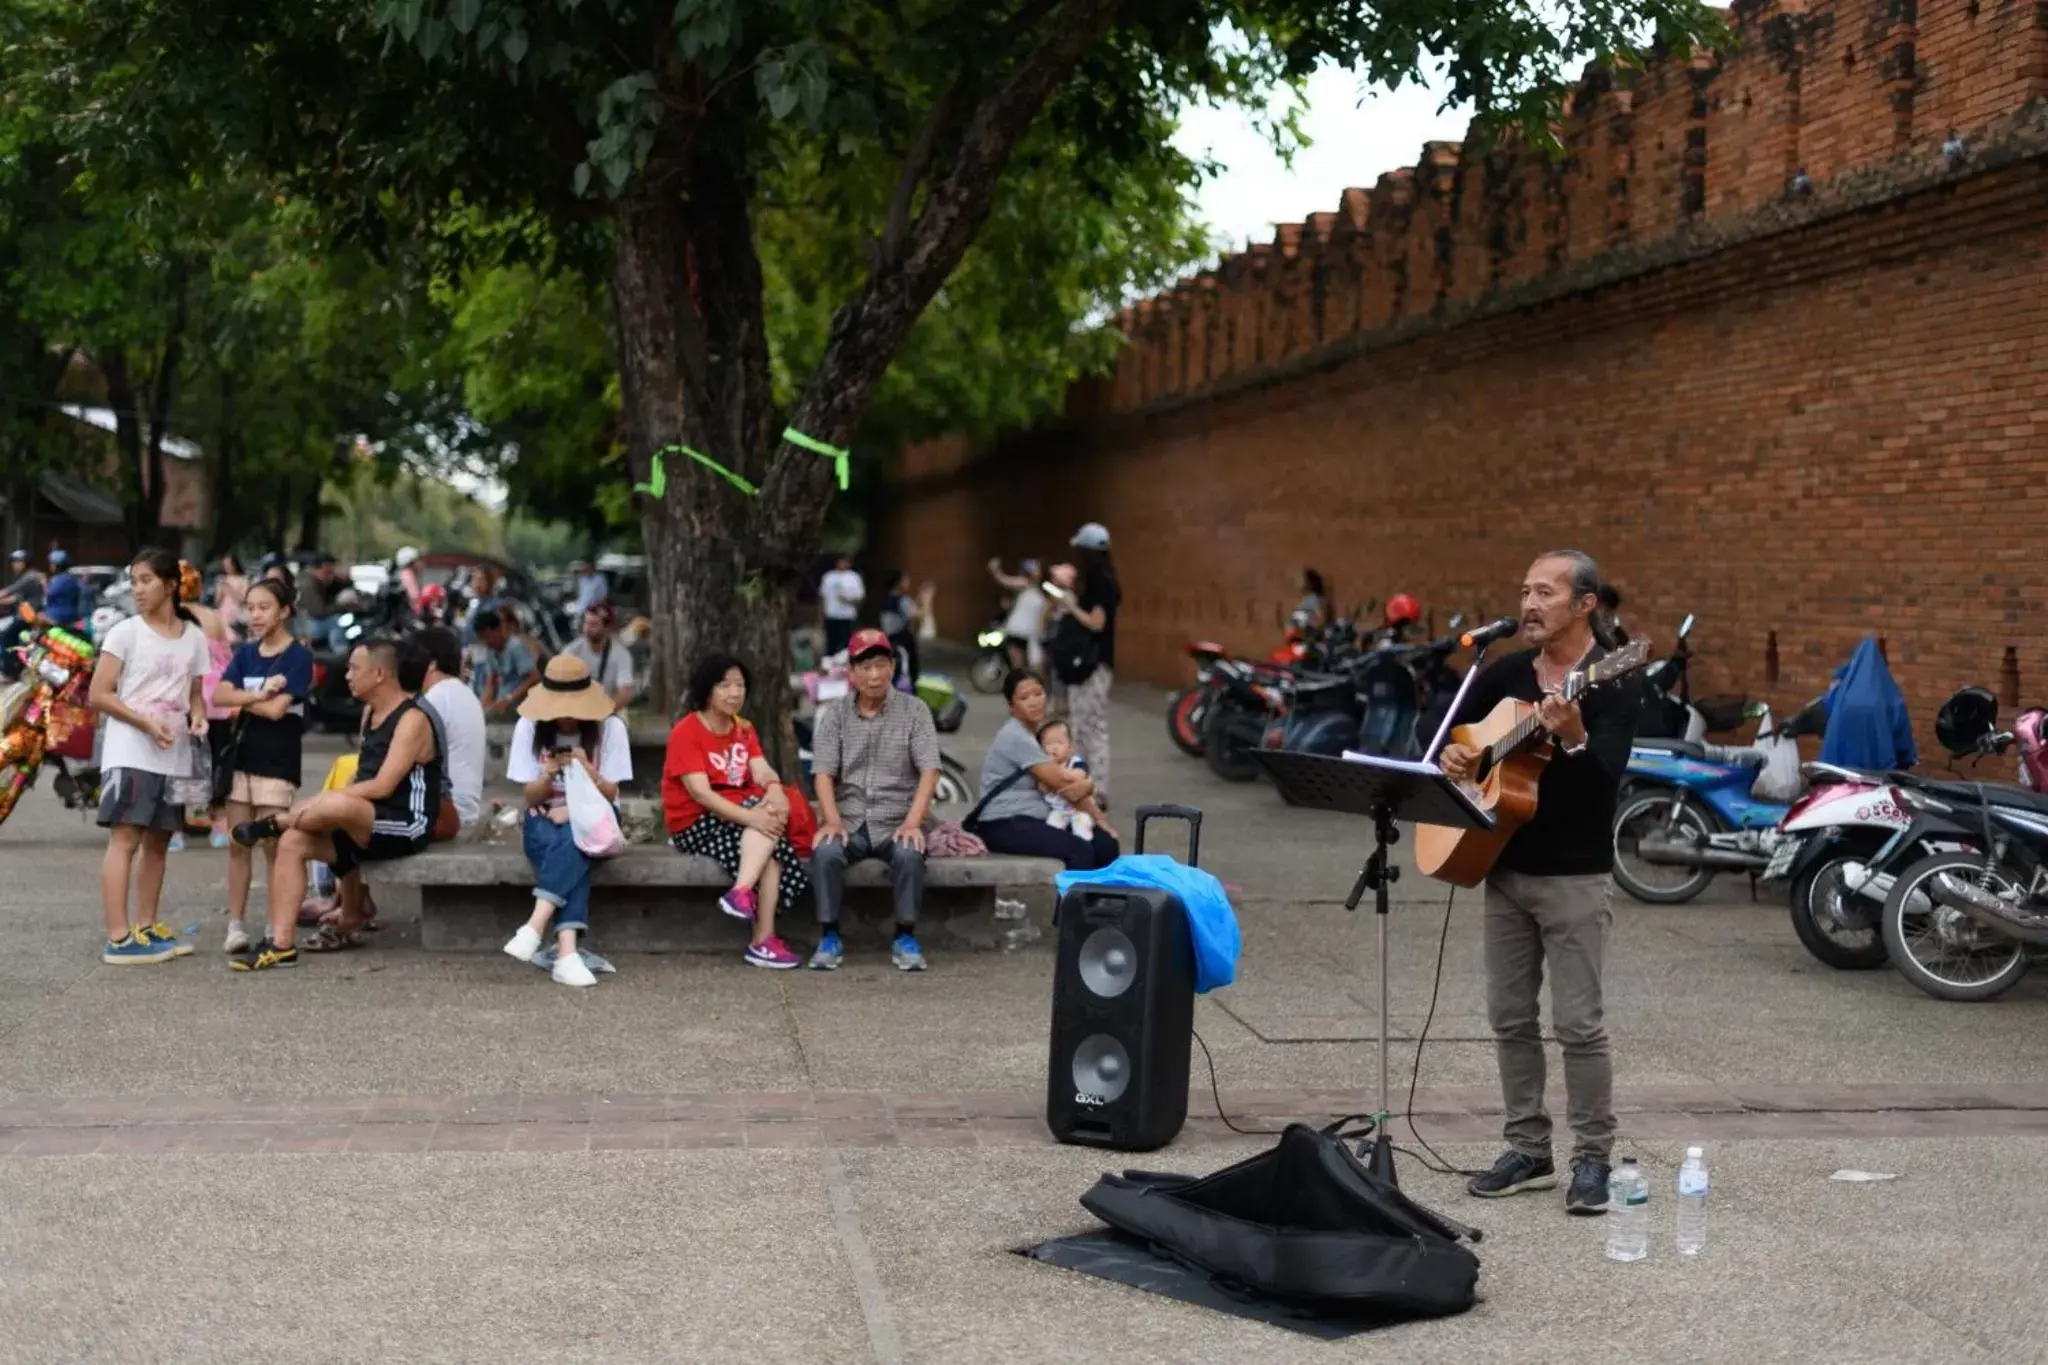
(1805, 416)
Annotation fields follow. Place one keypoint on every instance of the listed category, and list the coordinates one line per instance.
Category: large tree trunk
(693, 362)
(142, 498)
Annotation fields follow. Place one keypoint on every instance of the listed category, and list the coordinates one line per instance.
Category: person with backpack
(1082, 651)
(608, 661)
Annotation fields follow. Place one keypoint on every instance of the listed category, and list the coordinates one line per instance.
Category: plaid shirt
(875, 762)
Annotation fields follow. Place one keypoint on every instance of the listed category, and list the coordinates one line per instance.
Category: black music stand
(1385, 790)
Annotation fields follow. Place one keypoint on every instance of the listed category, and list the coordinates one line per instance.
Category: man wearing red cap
(875, 762)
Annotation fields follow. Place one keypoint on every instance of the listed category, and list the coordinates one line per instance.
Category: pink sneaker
(739, 903)
(772, 953)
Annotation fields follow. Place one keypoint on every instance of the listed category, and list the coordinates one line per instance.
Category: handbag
(592, 821)
(1074, 652)
(194, 788)
(802, 830)
(224, 762)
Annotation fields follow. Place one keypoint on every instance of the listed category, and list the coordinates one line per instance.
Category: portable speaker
(1123, 1009)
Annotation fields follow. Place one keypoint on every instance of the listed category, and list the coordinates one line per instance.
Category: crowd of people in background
(234, 680)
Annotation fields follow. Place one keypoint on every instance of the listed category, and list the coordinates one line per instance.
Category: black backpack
(1073, 652)
(1305, 1223)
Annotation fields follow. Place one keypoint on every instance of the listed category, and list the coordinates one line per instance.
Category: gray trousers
(1565, 921)
(828, 873)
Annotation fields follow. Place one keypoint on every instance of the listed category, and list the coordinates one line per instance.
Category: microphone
(1487, 634)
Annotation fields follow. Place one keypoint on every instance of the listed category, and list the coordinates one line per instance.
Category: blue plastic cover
(1212, 924)
(1867, 722)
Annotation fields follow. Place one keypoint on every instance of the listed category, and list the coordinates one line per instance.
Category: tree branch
(916, 160)
(870, 328)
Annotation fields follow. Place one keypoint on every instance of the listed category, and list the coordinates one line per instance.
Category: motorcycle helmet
(60, 559)
(1401, 609)
(433, 600)
(1965, 718)
(405, 557)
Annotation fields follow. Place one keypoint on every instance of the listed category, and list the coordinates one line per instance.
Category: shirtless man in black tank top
(387, 812)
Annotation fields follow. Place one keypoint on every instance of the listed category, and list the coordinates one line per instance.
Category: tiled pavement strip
(684, 1121)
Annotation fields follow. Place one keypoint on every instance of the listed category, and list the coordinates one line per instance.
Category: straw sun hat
(566, 692)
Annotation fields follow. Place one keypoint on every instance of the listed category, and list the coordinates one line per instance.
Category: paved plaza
(397, 1155)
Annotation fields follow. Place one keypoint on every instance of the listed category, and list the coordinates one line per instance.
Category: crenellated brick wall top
(1816, 108)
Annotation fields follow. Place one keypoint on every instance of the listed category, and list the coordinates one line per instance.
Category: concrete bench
(653, 899)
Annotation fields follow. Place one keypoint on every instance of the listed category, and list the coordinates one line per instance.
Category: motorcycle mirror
(1457, 622)
(1685, 626)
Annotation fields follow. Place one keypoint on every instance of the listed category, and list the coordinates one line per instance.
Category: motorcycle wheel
(1659, 883)
(1184, 716)
(1819, 902)
(949, 790)
(1227, 754)
(986, 672)
(1943, 951)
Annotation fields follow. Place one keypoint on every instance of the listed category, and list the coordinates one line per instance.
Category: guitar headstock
(1630, 658)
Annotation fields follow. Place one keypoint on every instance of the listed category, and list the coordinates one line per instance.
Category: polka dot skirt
(719, 840)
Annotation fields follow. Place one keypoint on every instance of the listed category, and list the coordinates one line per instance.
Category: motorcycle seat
(1685, 748)
(1999, 794)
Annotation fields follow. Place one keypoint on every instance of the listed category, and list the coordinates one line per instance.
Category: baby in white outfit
(1058, 743)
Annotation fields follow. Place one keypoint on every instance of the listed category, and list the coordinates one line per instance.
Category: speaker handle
(1193, 818)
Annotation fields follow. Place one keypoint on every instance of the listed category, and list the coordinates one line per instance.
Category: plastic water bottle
(1628, 1213)
(1692, 1203)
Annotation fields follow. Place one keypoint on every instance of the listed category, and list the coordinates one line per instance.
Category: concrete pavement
(394, 1154)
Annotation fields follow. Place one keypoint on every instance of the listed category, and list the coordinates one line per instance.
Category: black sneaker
(253, 832)
(1588, 1194)
(267, 957)
(1514, 1173)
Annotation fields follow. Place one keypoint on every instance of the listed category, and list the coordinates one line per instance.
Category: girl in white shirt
(149, 684)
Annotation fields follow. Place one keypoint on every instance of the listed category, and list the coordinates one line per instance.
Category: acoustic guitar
(1503, 783)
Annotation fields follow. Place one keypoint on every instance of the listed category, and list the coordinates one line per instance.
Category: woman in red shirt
(722, 801)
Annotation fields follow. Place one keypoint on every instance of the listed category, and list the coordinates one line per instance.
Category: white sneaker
(238, 938)
(571, 971)
(524, 944)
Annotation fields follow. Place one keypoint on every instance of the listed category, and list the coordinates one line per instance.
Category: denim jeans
(561, 872)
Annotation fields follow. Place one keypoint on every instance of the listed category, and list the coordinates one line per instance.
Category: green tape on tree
(817, 447)
(658, 485)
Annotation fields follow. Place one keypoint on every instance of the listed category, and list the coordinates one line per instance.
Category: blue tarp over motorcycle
(1212, 924)
(1867, 722)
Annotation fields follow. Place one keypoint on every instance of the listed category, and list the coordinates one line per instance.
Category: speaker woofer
(1102, 1069)
(1108, 961)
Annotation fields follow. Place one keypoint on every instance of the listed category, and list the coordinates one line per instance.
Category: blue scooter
(1687, 811)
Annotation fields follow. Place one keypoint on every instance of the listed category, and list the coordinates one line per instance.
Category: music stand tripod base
(1384, 790)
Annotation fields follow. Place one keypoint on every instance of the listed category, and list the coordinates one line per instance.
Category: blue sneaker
(130, 949)
(161, 933)
(905, 953)
(830, 952)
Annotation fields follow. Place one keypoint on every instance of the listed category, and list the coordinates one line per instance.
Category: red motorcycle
(1185, 712)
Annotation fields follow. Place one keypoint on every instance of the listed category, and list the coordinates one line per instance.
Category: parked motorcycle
(1669, 711)
(1839, 843)
(1688, 811)
(46, 717)
(1304, 648)
(991, 659)
(1965, 925)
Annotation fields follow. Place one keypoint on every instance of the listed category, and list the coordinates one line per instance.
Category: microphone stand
(1379, 874)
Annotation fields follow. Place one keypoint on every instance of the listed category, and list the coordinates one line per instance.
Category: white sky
(1353, 144)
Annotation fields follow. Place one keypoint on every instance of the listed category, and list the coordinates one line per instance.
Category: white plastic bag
(1780, 779)
(592, 821)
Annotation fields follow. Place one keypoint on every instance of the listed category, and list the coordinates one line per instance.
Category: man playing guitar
(1547, 896)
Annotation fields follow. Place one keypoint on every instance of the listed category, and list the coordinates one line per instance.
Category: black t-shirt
(1101, 590)
(1572, 833)
(271, 748)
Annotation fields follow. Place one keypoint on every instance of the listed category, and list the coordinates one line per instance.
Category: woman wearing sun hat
(567, 720)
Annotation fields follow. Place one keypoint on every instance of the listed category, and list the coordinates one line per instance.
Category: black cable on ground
(1438, 1165)
(1216, 1093)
